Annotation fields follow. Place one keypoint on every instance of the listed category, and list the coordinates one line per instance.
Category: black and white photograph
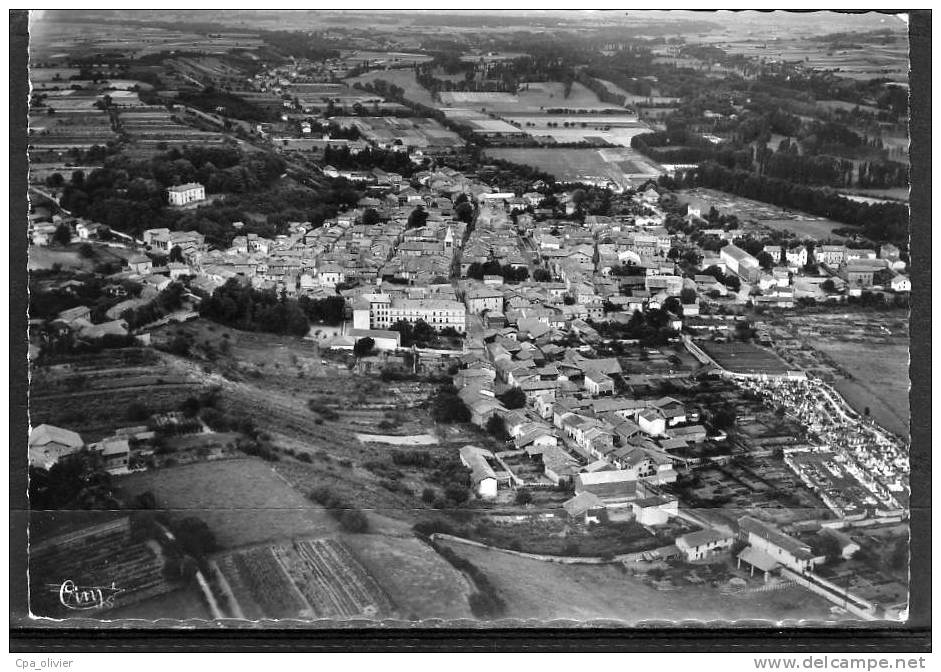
(366, 318)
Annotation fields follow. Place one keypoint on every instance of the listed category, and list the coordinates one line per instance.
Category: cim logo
(89, 597)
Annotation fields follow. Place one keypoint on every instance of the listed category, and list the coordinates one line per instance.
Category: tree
(364, 346)
(190, 407)
(523, 497)
(464, 212)
(513, 398)
(456, 493)
(688, 295)
(423, 334)
(354, 520)
(63, 234)
(417, 218)
(542, 275)
(765, 260)
(195, 537)
(371, 217)
(496, 427)
(447, 407)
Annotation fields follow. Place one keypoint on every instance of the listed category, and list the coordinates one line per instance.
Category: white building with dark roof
(184, 194)
(48, 444)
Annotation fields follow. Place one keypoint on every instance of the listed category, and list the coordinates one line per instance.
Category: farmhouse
(483, 476)
(654, 510)
(115, 453)
(74, 314)
(704, 543)
(49, 444)
(584, 507)
(769, 547)
(140, 263)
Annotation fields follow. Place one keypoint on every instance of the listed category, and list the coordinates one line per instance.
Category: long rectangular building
(381, 311)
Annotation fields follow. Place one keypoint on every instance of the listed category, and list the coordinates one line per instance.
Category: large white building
(740, 262)
(184, 194)
(381, 311)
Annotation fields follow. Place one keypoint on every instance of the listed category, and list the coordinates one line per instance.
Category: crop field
(317, 579)
(532, 97)
(91, 394)
(745, 358)
(414, 132)
(95, 556)
(613, 129)
(244, 501)
(549, 591)
(579, 164)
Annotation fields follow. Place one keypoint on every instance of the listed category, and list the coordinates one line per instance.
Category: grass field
(42, 258)
(420, 583)
(404, 78)
(578, 164)
(745, 358)
(549, 591)
(880, 381)
(244, 501)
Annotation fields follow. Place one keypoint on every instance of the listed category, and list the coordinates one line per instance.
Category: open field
(42, 258)
(613, 129)
(550, 591)
(745, 358)
(880, 381)
(865, 355)
(419, 582)
(619, 166)
(244, 501)
(764, 215)
(404, 78)
(531, 97)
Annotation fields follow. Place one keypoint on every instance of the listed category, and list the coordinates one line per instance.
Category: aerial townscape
(469, 317)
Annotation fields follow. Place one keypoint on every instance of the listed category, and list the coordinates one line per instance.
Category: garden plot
(317, 578)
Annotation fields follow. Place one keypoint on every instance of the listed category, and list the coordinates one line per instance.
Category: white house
(901, 283)
(184, 194)
(772, 547)
(49, 444)
(483, 476)
(704, 543)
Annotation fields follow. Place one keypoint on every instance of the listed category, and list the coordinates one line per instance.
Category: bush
(354, 520)
(456, 493)
(428, 495)
(350, 519)
(524, 497)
